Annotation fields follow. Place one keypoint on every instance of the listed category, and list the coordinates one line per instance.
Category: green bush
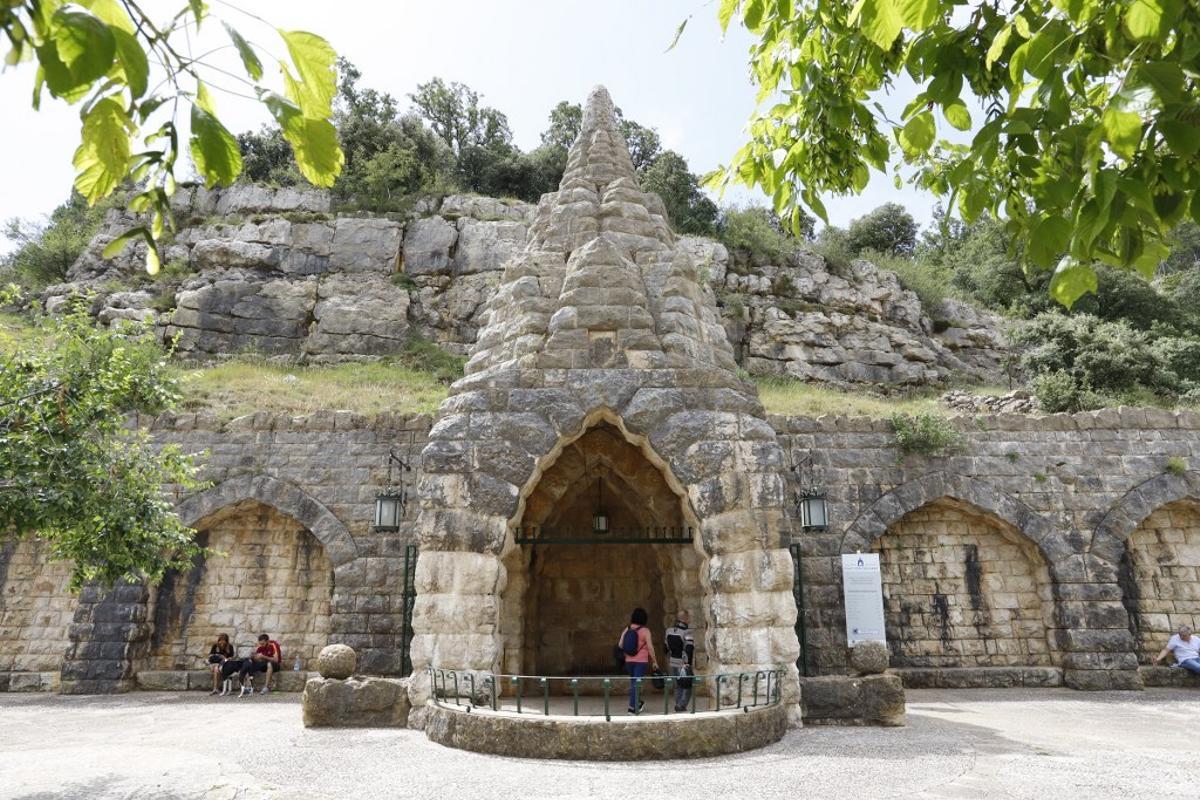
(425, 356)
(1102, 356)
(1059, 392)
(928, 280)
(887, 229)
(756, 232)
(45, 251)
(923, 433)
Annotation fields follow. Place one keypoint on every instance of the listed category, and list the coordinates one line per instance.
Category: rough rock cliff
(277, 272)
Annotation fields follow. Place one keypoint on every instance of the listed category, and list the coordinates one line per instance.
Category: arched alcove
(1160, 575)
(963, 588)
(567, 600)
(266, 573)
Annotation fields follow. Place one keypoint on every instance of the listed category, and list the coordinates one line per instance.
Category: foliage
(267, 158)
(69, 472)
(888, 229)
(1088, 145)
(1059, 391)
(99, 53)
(422, 355)
(1184, 242)
(1122, 295)
(929, 280)
(756, 232)
(45, 251)
(923, 433)
(456, 117)
(1175, 466)
(689, 209)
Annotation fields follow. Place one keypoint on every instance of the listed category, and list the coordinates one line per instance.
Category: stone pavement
(959, 744)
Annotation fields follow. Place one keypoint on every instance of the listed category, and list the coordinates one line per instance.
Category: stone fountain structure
(602, 375)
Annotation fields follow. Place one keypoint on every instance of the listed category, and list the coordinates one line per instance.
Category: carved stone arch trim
(1126, 514)
(282, 496)
(591, 419)
(874, 521)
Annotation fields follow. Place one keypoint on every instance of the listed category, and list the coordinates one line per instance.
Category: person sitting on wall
(268, 658)
(639, 655)
(221, 652)
(681, 652)
(1186, 649)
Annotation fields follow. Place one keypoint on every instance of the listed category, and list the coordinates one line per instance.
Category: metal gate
(798, 595)
(410, 597)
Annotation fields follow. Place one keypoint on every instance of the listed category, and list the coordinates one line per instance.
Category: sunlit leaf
(918, 134)
(957, 115)
(725, 13)
(133, 62)
(314, 60)
(314, 141)
(249, 57)
(1122, 131)
(214, 150)
(102, 158)
(1048, 241)
(919, 14)
(1071, 281)
(879, 19)
(79, 50)
(114, 248)
(1144, 19)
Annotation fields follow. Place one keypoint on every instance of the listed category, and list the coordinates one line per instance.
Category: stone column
(1094, 635)
(110, 632)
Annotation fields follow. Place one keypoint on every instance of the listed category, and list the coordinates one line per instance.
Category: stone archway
(286, 497)
(1160, 574)
(565, 603)
(963, 588)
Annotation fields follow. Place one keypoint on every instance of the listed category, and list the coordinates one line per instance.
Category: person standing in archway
(638, 648)
(681, 657)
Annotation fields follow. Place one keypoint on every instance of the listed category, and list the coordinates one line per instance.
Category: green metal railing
(531, 694)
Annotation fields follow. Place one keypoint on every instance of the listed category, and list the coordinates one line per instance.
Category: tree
(454, 114)
(99, 53)
(1086, 140)
(267, 157)
(644, 143)
(888, 229)
(689, 209)
(566, 119)
(70, 474)
(45, 251)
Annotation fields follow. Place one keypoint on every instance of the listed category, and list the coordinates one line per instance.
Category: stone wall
(1164, 593)
(266, 574)
(36, 611)
(1072, 489)
(962, 589)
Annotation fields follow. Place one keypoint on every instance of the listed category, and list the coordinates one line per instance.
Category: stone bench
(852, 700)
(978, 677)
(29, 681)
(201, 680)
(1168, 677)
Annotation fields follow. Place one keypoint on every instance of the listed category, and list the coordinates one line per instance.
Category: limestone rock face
(869, 658)
(337, 661)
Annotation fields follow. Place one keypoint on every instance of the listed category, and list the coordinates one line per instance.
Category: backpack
(629, 642)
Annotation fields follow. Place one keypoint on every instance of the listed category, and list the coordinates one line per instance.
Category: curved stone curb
(593, 739)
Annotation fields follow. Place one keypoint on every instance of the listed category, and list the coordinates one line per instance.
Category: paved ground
(959, 744)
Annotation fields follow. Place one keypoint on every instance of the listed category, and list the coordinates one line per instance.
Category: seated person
(268, 658)
(1186, 649)
(221, 652)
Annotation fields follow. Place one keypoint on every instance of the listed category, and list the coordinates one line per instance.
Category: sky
(522, 56)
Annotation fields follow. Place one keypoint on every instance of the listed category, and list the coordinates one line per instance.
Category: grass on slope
(796, 398)
(242, 387)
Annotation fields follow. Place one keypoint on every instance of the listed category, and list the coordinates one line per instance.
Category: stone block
(356, 703)
(162, 680)
(844, 700)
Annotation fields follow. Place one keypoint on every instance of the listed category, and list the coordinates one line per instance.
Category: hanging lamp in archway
(600, 516)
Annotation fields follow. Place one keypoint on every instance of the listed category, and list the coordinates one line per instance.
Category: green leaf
(314, 141)
(133, 62)
(114, 248)
(917, 135)
(249, 57)
(678, 33)
(957, 115)
(1048, 240)
(153, 263)
(997, 49)
(1182, 137)
(1144, 19)
(214, 150)
(1165, 77)
(725, 13)
(102, 158)
(80, 49)
(879, 19)
(314, 60)
(752, 14)
(1122, 131)
(1071, 281)
(919, 14)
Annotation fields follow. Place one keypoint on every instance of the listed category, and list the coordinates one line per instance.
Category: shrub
(1105, 357)
(1176, 466)
(887, 229)
(923, 433)
(756, 231)
(1059, 392)
(425, 356)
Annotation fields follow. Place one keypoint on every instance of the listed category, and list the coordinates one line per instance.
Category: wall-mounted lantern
(600, 516)
(812, 505)
(393, 499)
